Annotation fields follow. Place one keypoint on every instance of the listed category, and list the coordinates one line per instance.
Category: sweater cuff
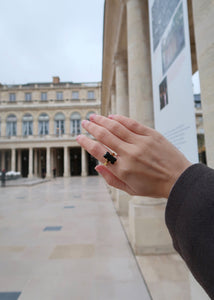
(177, 197)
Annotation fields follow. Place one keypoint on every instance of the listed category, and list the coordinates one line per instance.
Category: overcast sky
(45, 38)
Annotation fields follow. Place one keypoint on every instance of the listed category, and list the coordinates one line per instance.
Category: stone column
(3, 127)
(139, 62)
(203, 12)
(19, 160)
(66, 172)
(13, 160)
(83, 163)
(30, 167)
(121, 78)
(148, 232)
(36, 162)
(48, 163)
(19, 128)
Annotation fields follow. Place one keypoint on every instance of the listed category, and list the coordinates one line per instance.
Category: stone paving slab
(89, 258)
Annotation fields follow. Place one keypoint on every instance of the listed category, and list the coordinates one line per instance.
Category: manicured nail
(78, 137)
(92, 117)
(84, 122)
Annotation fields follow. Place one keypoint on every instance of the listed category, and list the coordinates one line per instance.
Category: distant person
(3, 177)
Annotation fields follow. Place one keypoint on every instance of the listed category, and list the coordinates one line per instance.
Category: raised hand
(147, 164)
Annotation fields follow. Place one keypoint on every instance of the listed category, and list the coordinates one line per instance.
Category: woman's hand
(147, 164)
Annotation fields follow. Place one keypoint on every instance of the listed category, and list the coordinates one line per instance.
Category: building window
(88, 114)
(59, 124)
(75, 123)
(91, 95)
(44, 96)
(28, 96)
(43, 124)
(75, 95)
(11, 125)
(59, 95)
(27, 125)
(12, 97)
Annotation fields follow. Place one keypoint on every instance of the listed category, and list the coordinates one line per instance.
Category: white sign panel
(172, 74)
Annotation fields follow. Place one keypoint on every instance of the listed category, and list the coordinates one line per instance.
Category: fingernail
(92, 117)
(78, 137)
(84, 122)
(111, 116)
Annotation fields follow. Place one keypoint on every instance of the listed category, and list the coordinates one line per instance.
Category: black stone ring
(109, 158)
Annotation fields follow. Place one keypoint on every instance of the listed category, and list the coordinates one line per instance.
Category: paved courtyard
(63, 240)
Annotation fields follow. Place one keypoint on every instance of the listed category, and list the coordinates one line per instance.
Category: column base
(66, 175)
(122, 203)
(83, 174)
(147, 228)
(30, 176)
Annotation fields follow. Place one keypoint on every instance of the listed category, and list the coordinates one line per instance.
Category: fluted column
(83, 163)
(66, 172)
(139, 62)
(30, 167)
(121, 79)
(203, 12)
(13, 160)
(48, 163)
(148, 232)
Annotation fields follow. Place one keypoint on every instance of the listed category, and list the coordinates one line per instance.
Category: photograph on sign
(173, 41)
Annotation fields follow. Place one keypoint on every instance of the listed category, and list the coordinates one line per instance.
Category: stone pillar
(19, 160)
(35, 126)
(66, 172)
(30, 167)
(139, 62)
(19, 128)
(148, 232)
(203, 12)
(83, 163)
(121, 79)
(48, 163)
(122, 203)
(13, 160)
(3, 127)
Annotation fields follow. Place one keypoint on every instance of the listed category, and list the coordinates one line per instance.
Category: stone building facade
(39, 123)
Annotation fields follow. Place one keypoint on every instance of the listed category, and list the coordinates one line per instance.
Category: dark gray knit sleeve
(190, 221)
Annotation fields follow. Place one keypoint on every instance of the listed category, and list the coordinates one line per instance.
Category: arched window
(27, 125)
(43, 124)
(75, 123)
(88, 114)
(11, 127)
(59, 124)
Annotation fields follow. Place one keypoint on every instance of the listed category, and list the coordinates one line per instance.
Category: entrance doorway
(92, 163)
(59, 160)
(75, 161)
(25, 162)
